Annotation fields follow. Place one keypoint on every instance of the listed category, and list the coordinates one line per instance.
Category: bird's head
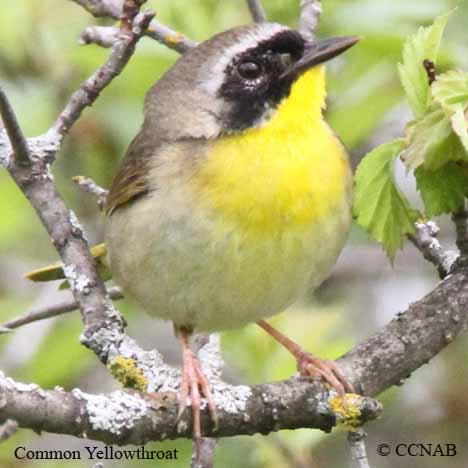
(235, 80)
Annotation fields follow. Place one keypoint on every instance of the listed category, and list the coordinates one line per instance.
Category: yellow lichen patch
(174, 38)
(347, 410)
(127, 373)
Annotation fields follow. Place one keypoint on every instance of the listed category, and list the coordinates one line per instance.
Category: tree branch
(102, 8)
(8, 429)
(47, 145)
(311, 11)
(257, 11)
(357, 448)
(51, 311)
(22, 155)
(374, 365)
(383, 360)
(89, 186)
(168, 37)
(103, 325)
(208, 349)
(425, 240)
(113, 9)
(461, 224)
(104, 36)
(412, 338)
(89, 91)
(206, 455)
(128, 417)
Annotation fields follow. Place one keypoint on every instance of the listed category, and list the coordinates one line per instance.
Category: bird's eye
(286, 60)
(250, 70)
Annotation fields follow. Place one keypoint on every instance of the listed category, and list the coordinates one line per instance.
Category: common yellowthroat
(235, 195)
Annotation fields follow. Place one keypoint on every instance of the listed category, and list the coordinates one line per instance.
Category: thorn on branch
(89, 186)
(430, 68)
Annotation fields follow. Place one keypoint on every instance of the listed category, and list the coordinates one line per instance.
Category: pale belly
(180, 265)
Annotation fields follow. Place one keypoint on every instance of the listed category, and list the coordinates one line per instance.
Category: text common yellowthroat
(235, 195)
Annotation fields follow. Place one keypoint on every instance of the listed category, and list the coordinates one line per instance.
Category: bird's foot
(194, 386)
(309, 365)
(329, 371)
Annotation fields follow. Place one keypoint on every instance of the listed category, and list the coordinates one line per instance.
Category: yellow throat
(291, 171)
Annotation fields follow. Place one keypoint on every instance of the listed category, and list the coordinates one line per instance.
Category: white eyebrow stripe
(262, 32)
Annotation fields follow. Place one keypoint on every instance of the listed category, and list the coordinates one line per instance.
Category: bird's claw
(329, 371)
(194, 385)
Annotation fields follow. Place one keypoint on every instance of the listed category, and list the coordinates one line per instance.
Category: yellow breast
(290, 171)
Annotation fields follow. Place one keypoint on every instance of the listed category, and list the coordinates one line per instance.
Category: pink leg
(194, 384)
(309, 365)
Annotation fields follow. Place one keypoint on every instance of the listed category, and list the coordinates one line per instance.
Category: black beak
(319, 52)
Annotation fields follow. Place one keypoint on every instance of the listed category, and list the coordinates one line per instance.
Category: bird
(235, 195)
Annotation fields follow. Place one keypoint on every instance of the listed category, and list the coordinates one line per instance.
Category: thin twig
(425, 239)
(205, 457)
(461, 224)
(104, 36)
(311, 11)
(168, 37)
(130, 9)
(15, 134)
(257, 11)
(89, 91)
(8, 429)
(36, 182)
(51, 311)
(357, 448)
(89, 186)
(157, 31)
(102, 8)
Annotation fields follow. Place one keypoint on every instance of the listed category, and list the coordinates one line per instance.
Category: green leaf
(432, 142)
(421, 46)
(451, 92)
(443, 190)
(379, 206)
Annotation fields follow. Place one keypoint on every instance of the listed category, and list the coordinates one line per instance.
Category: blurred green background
(41, 63)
